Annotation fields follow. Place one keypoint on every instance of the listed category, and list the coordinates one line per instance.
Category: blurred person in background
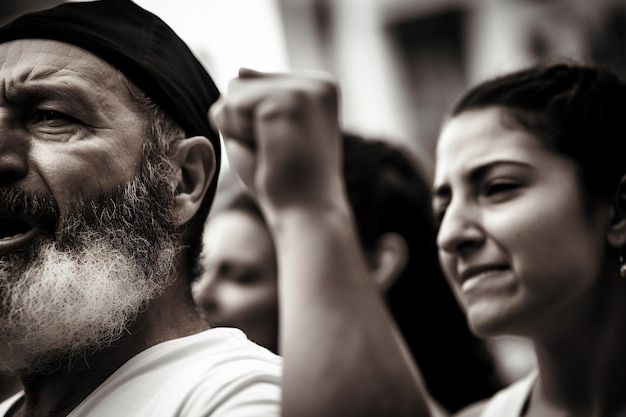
(237, 286)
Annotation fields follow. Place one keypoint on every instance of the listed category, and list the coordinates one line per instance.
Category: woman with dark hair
(529, 192)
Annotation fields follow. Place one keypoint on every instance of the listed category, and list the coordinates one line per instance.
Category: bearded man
(108, 167)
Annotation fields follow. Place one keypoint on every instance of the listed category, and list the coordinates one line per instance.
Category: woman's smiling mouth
(472, 277)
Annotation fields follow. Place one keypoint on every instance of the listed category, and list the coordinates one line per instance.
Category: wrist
(310, 218)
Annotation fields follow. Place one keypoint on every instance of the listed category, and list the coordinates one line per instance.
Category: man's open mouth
(15, 233)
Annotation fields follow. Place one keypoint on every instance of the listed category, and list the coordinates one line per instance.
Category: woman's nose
(460, 230)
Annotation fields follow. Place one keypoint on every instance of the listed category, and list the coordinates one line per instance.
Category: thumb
(250, 73)
(242, 162)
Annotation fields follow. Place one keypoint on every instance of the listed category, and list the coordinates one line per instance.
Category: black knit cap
(141, 46)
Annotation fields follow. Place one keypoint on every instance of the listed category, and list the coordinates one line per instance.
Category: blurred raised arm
(343, 354)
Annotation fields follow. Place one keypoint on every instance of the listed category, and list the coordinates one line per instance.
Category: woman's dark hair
(578, 111)
(389, 193)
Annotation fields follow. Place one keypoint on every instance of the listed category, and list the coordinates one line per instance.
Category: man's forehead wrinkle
(27, 76)
(53, 82)
(38, 71)
(27, 86)
(47, 59)
(32, 77)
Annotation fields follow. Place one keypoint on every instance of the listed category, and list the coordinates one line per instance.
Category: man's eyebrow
(39, 92)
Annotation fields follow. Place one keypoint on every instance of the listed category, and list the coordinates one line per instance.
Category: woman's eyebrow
(478, 172)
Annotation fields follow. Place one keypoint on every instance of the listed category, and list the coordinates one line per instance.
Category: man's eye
(53, 125)
(51, 117)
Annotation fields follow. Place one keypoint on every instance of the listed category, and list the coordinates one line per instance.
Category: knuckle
(287, 104)
(235, 103)
(325, 90)
(216, 111)
(325, 95)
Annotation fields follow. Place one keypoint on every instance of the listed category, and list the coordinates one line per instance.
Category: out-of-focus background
(401, 63)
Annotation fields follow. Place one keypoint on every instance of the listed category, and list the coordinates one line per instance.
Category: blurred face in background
(239, 285)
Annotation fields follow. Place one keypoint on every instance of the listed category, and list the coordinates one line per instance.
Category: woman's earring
(622, 262)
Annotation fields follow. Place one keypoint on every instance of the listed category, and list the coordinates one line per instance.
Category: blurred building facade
(402, 63)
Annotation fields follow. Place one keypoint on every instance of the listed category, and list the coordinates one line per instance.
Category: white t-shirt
(510, 401)
(217, 373)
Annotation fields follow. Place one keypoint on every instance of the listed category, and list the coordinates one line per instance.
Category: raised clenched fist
(282, 137)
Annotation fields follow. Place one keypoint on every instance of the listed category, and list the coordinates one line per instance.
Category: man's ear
(194, 162)
(616, 234)
(390, 259)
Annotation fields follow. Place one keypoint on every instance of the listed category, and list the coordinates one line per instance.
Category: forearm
(343, 355)
(337, 337)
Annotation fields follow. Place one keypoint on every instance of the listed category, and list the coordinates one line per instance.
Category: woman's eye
(500, 187)
(235, 273)
(246, 277)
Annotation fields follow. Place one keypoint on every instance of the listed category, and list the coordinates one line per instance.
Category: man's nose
(13, 156)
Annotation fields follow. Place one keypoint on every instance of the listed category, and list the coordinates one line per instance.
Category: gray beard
(75, 290)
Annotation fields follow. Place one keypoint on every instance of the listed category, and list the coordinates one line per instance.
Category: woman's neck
(582, 364)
